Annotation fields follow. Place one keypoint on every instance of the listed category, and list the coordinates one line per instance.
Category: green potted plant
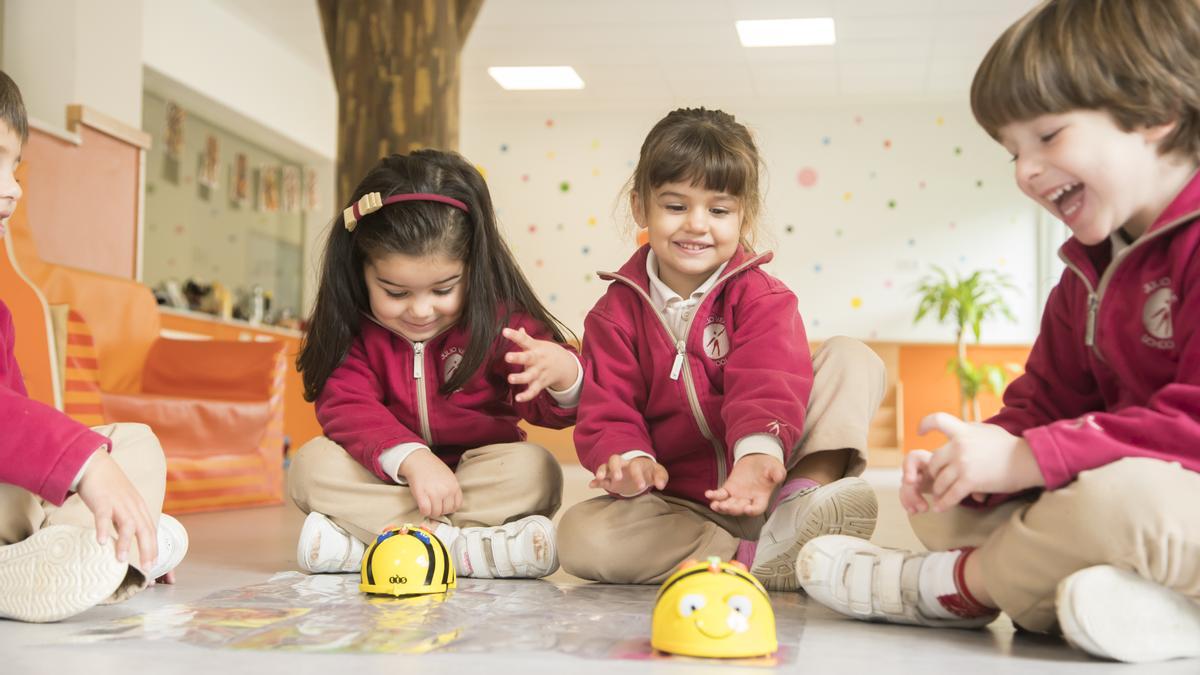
(966, 302)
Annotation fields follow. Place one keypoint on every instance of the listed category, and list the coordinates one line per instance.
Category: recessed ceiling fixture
(536, 77)
(786, 32)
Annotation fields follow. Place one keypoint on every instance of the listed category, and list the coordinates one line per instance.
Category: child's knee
(136, 444)
(307, 463)
(537, 476)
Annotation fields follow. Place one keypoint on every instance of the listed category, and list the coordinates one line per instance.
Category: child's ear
(635, 205)
(1155, 134)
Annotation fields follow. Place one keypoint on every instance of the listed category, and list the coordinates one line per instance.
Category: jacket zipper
(422, 405)
(1096, 293)
(680, 365)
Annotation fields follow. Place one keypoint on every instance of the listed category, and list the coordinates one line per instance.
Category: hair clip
(372, 202)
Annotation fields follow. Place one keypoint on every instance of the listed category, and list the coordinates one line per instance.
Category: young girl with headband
(425, 348)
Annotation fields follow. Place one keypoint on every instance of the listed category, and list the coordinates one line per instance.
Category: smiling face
(417, 297)
(1089, 173)
(713, 610)
(10, 189)
(692, 231)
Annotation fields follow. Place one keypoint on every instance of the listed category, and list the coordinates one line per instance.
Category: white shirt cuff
(82, 469)
(758, 444)
(570, 397)
(391, 459)
(629, 457)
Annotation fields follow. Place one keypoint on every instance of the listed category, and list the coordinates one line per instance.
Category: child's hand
(748, 488)
(433, 484)
(980, 458)
(119, 509)
(915, 481)
(630, 477)
(547, 364)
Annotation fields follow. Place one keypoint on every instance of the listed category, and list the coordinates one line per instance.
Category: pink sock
(792, 487)
(745, 552)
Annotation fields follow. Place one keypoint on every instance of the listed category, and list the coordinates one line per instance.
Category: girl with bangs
(703, 414)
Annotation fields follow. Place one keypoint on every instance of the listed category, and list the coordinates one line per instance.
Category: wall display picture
(268, 192)
(241, 179)
(210, 160)
(312, 200)
(291, 189)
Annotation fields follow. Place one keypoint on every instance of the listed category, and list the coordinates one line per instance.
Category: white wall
(852, 258)
(62, 52)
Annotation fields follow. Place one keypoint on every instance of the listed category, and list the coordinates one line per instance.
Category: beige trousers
(500, 483)
(1140, 515)
(642, 540)
(137, 451)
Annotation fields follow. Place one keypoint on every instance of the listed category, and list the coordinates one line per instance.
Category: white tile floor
(540, 626)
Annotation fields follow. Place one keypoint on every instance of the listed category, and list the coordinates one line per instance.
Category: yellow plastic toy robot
(713, 609)
(407, 561)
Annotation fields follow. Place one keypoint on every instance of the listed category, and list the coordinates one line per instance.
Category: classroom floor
(240, 607)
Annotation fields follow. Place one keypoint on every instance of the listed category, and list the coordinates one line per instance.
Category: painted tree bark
(396, 67)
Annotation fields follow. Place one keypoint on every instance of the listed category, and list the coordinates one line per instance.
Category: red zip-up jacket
(386, 393)
(1115, 371)
(41, 449)
(744, 369)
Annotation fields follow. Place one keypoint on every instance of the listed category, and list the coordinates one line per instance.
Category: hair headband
(372, 202)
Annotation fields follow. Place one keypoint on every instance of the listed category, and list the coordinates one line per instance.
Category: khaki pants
(137, 451)
(1140, 515)
(642, 540)
(500, 483)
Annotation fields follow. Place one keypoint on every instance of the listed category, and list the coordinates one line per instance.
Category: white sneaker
(1115, 614)
(522, 549)
(863, 581)
(58, 572)
(325, 548)
(845, 506)
(172, 546)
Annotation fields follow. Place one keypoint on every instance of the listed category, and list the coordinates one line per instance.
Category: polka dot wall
(860, 202)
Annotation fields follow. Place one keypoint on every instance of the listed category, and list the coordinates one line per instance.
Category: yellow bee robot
(713, 609)
(407, 561)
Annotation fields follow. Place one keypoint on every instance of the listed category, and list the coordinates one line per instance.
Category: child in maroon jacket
(1099, 104)
(426, 347)
(80, 508)
(701, 415)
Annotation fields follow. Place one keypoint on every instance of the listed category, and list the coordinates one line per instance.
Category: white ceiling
(684, 51)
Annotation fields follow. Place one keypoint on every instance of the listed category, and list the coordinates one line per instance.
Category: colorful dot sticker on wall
(591, 221)
(858, 119)
(595, 143)
(838, 232)
(817, 268)
(887, 283)
(553, 297)
(549, 123)
(891, 203)
(921, 185)
(953, 225)
(504, 147)
(872, 175)
(847, 196)
(595, 171)
(856, 302)
(789, 228)
(825, 140)
(539, 262)
(979, 183)
(564, 186)
(940, 121)
(962, 258)
(586, 250)
(532, 229)
(807, 177)
(560, 227)
(816, 322)
(550, 154)
(587, 277)
(957, 150)
(524, 178)
(887, 144)
(179, 229)
(912, 242)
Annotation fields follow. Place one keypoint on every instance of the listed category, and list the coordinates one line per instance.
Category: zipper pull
(418, 360)
(678, 365)
(1093, 310)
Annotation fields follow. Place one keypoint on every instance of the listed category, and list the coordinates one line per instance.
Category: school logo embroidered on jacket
(1157, 314)
(716, 341)
(450, 365)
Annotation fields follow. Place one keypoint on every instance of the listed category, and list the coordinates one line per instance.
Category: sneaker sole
(180, 535)
(57, 573)
(847, 506)
(1118, 615)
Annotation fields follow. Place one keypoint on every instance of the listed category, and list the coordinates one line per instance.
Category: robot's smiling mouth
(712, 636)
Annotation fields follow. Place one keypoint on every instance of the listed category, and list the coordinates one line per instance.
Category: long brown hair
(495, 288)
